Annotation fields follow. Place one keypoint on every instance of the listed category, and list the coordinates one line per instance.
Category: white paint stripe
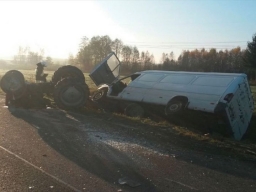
(177, 182)
(36, 126)
(48, 174)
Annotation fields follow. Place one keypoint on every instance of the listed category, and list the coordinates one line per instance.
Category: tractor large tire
(70, 93)
(13, 82)
(67, 71)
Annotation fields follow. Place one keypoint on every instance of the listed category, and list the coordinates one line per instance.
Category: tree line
(236, 60)
(94, 50)
(27, 59)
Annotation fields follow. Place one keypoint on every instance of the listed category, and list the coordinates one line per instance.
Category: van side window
(151, 77)
(213, 81)
(178, 79)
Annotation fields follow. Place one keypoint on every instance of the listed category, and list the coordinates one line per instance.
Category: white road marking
(177, 182)
(36, 126)
(48, 174)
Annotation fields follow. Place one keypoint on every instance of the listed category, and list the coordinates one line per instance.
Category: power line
(190, 45)
(185, 43)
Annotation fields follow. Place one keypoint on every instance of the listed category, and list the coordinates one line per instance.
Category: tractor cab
(106, 72)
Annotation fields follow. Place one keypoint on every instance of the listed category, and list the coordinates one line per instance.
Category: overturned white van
(175, 91)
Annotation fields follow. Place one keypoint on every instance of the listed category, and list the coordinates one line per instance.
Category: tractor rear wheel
(70, 93)
(67, 71)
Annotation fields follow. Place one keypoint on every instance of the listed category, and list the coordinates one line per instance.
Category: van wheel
(134, 110)
(100, 95)
(174, 107)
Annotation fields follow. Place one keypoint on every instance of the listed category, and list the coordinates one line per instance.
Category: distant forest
(94, 50)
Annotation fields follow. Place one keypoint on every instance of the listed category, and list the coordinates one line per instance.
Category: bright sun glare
(54, 26)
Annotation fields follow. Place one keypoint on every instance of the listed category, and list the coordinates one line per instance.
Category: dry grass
(179, 129)
(29, 76)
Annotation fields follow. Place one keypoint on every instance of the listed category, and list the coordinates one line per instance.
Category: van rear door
(239, 110)
(107, 71)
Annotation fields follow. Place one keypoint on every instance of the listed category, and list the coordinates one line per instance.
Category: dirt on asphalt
(136, 151)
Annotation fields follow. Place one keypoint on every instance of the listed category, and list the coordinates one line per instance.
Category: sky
(57, 27)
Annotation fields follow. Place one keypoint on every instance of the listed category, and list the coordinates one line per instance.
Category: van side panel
(133, 93)
(203, 98)
(213, 81)
(136, 90)
(203, 92)
(202, 102)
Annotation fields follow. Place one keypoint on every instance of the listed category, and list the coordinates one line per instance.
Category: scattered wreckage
(227, 95)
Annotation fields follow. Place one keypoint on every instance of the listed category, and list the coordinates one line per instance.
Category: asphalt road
(55, 150)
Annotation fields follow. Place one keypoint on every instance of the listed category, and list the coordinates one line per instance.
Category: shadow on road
(73, 136)
(80, 139)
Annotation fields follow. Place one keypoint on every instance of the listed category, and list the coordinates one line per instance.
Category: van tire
(71, 99)
(175, 106)
(134, 110)
(100, 95)
(68, 71)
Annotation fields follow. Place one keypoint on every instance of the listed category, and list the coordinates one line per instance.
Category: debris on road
(128, 181)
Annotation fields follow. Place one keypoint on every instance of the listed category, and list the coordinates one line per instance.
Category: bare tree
(117, 46)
